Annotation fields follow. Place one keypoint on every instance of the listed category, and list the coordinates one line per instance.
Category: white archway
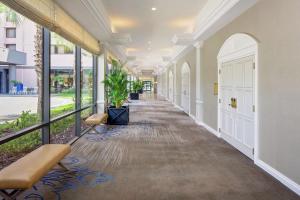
(237, 109)
(171, 86)
(185, 88)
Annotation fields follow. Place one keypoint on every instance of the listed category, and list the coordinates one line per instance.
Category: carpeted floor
(161, 154)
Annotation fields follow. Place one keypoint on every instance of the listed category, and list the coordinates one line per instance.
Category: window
(86, 84)
(11, 46)
(11, 32)
(62, 94)
(86, 78)
(147, 86)
(20, 109)
(21, 112)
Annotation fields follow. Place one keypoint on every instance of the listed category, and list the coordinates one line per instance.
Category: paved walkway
(12, 106)
(162, 154)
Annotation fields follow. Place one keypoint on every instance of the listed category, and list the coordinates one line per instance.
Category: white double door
(185, 91)
(237, 79)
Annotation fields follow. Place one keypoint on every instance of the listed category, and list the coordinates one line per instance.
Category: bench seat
(25, 172)
(96, 119)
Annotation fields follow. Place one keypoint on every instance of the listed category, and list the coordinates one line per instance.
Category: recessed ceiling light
(153, 9)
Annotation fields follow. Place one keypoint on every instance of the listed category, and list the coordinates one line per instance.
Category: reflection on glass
(86, 78)
(62, 75)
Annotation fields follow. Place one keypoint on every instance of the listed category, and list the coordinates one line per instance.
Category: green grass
(27, 119)
(33, 139)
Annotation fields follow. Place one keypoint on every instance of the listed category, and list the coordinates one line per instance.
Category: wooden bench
(25, 172)
(96, 119)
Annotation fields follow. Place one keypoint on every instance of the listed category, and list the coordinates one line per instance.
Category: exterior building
(17, 56)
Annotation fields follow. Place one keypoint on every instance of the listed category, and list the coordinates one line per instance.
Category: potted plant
(136, 87)
(18, 85)
(116, 88)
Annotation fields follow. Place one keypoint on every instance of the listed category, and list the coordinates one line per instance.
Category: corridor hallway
(161, 154)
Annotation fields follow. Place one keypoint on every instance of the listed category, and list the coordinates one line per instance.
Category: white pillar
(199, 100)
(12, 75)
(100, 89)
(175, 82)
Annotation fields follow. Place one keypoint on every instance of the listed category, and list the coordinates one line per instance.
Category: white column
(12, 75)
(175, 82)
(100, 88)
(199, 100)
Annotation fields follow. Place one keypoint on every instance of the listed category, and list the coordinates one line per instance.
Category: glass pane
(17, 148)
(62, 78)
(86, 78)
(63, 131)
(20, 96)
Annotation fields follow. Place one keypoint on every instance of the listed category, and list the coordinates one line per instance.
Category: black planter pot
(141, 91)
(118, 116)
(134, 96)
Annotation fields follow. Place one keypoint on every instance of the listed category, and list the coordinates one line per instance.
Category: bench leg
(10, 195)
(94, 129)
(63, 166)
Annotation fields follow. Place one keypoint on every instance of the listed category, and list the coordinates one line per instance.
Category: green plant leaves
(116, 84)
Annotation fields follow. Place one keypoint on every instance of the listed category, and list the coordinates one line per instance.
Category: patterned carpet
(161, 154)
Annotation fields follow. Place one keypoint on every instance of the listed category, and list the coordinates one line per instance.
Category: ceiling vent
(120, 39)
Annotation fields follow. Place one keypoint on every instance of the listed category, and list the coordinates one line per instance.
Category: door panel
(185, 93)
(237, 118)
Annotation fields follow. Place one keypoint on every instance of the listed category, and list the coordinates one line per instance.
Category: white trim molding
(210, 129)
(295, 187)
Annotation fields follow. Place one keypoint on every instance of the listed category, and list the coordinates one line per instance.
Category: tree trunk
(38, 59)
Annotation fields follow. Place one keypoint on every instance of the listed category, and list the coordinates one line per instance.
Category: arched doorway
(171, 86)
(237, 61)
(185, 88)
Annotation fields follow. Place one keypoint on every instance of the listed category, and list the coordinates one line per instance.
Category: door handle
(233, 103)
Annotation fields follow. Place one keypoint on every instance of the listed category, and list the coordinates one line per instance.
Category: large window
(62, 73)
(45, 99)
(62, 82)
(86, 78)
(20, 90)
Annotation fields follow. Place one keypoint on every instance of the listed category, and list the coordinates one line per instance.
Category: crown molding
(96, 8)
(198, 44)
(225, 12)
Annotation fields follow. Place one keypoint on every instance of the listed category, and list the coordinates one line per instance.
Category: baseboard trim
(193, 117)
(289, 183)
(292, 185)
(176, 106)
(210, 129)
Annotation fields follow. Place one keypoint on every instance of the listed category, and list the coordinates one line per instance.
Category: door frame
(242, 53)
(188, 66)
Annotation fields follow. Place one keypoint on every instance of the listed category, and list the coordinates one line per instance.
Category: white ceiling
(152, 31)
(132, 31)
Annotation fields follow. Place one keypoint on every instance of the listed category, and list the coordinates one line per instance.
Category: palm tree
(38, 60)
